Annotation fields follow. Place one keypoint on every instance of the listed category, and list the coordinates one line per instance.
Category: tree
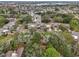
(51, 52)
(3, 21)
(45, 19)
(2, 11)
(36, 37)
(12, 11)
(25, 19)
(49, 12)
(14, 42)
(63, 27)
(68, 37)
(56, 9)
(74, 24)
(67, 18)
(58, 19)
(58, 42)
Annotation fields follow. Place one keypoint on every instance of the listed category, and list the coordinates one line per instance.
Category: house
(36, 18)
(49, 27)
(5, 32)
(75, 35)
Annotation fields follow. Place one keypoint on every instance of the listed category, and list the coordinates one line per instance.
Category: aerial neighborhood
(39, 29)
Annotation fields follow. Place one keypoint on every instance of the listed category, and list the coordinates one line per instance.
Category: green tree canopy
(3, 21)
(25, 19)
(68, 37)
(58, 42)
(58, 19)
(74, 24)
(45, 19)
(36, 37)
(51, 52)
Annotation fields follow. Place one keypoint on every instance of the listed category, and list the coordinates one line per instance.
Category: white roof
(50, 29)
(14, 55)
(32, 25)
(75, 37)
(5, 30)
(47, 25)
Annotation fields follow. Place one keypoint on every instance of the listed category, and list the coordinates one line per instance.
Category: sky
(39, 0)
